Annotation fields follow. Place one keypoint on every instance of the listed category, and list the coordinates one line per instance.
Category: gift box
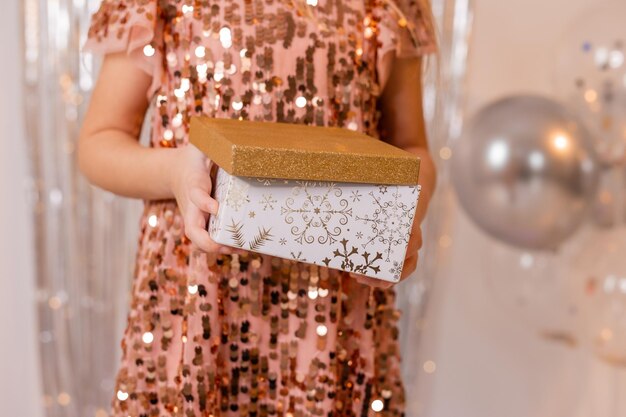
(320, 195)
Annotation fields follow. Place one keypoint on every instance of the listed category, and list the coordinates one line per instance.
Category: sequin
(147, 338)
(301, 101)
(122, 396)
(377, 406)
(226, 37)
(149, 50)
(200, 52)
(153, 220)
(230, 335)
(168, 134)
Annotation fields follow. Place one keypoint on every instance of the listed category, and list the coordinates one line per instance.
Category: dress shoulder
(133, 26)
(408, 28)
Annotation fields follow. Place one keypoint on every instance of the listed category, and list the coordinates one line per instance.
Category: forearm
(114, 160)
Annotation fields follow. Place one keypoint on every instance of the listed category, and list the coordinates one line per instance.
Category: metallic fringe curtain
(86, 238)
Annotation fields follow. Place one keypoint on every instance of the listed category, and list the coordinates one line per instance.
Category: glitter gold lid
(301, 152)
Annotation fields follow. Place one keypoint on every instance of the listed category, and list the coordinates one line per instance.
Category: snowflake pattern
(237, 196)
(391, 222)
(396, 269)
(267, 202)
(348, 263)
(266, 181)
(298, 256)
(315, 218)
(354, 227)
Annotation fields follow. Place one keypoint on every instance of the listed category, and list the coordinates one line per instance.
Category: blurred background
(519, 305)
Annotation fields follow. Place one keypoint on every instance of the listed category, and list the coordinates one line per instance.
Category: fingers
(372, 282)
(203, 200)
(195, 229)
(228, 250)
(201, 239)
(415, 242)
(410, 265)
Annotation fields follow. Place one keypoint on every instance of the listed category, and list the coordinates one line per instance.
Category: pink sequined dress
(251, 335)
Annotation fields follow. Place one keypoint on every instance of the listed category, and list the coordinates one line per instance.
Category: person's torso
(268, 60)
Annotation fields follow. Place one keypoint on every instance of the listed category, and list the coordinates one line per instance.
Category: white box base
(360, 228)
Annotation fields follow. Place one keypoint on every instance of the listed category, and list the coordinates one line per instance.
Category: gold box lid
(301, 152)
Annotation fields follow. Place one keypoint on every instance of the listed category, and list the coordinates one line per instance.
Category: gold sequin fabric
(253, 335)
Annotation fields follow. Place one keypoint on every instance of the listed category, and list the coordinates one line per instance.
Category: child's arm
(403, 122)
(110, 156)
(403, 126)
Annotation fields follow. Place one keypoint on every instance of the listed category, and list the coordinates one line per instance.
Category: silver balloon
(525, 171)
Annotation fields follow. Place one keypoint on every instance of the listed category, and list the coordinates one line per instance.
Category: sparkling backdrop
(85, 238)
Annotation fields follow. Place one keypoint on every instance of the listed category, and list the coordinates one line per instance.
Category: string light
(561, 142)
(55, 302)
(430, 367)
(64, 399)
(591, 95)
(445, 241)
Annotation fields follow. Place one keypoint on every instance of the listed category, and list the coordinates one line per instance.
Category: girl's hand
(407, 130)
(190, 182)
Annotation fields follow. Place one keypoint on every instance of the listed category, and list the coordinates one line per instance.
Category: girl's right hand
(190, 183)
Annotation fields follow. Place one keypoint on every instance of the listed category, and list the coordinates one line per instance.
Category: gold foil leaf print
(235, 229)
(259, 240)
(236, 234)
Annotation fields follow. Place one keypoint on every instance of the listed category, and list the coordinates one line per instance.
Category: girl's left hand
(410, 261)
(407, 130)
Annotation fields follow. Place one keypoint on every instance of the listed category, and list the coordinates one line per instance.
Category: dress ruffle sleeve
(133, 26)
(407, 28)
